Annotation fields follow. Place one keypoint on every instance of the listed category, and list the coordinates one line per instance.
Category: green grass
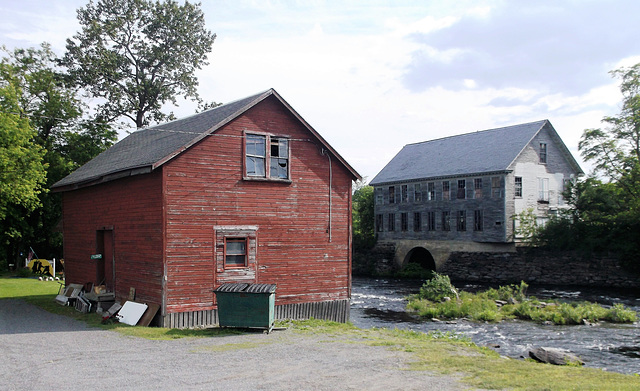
(439, 352)
(482, 306)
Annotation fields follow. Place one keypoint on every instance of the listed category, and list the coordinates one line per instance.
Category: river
(613, 347)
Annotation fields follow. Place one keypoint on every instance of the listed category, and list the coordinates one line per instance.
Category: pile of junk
(89, 298)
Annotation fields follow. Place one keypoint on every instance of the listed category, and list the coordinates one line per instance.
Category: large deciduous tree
(615, 148)
(62, 130)
(138, 55)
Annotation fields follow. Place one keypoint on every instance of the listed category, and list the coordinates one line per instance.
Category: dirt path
(43, 351)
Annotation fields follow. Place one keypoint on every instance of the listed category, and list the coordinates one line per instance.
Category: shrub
(437, 288)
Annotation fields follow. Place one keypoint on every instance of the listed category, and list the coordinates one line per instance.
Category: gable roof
(145, 150)
(481, 152)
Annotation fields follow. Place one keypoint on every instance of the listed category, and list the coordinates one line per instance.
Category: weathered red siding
(204, 189)
(130, 207)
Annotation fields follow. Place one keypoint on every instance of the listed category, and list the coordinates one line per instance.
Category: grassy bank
(444, 353)
(438, 298)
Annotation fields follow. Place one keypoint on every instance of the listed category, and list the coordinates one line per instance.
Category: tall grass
(489, 306)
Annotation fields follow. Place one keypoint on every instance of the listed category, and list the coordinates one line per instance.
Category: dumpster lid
(247, 288)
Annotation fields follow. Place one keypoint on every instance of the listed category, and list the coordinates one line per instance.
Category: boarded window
(235, 252)
(461, 220)
(518, 189)
(543, 153)
(431, 221)
(477, 188)
(446, 188)
(446, 220)
(462, 189)
(417, 221)
(478, 220)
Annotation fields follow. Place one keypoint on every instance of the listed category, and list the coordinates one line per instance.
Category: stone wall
(538, 267)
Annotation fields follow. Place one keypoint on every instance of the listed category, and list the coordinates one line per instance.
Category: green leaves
(139, 55)
(22, 172)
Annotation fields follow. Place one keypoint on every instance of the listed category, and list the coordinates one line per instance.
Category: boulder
(554, 356)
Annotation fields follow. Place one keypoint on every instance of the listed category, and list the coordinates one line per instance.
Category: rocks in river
(554, 356)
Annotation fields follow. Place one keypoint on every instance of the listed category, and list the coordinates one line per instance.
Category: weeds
(489, 306)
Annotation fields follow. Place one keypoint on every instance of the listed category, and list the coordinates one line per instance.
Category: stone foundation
(538, 267)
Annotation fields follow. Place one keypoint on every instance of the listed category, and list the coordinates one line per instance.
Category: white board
(131, 312)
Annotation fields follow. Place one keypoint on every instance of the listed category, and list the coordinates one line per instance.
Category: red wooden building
(245, 192)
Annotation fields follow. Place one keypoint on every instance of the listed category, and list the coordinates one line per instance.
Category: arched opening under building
(422, 257)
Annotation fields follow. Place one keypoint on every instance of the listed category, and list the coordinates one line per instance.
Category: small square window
(235, 252)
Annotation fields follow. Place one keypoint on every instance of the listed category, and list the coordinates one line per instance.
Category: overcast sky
(372, 76)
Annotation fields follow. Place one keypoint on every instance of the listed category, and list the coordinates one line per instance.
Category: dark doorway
(422, 257)
(105, 269)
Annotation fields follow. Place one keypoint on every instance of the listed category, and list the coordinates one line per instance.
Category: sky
(373, 76)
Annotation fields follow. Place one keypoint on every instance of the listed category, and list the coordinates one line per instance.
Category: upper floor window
(417, 193)
(543, 152)
(518, 189)
(431, 191)
(404, 193)
(462, 189)
(260, 149)
(496, 187)
(477, 188)
(446, 186)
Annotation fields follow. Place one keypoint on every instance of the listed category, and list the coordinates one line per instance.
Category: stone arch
(422, 257)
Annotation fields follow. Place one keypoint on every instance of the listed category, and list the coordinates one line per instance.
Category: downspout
(325, 152)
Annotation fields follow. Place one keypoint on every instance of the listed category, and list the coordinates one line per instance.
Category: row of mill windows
(427, 221)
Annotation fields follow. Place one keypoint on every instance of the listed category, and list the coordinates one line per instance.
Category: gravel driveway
(43, 351)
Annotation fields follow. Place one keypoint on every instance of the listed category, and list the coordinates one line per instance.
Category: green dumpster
(246, 305)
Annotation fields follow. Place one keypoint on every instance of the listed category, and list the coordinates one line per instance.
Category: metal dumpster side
(246, 305)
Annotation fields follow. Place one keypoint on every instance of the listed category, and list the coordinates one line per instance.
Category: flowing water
(614, 347)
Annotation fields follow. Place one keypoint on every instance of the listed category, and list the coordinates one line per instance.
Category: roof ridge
(250, 97)
(476, 132)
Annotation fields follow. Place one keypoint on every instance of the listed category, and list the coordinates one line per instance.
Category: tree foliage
(138, 55)
(605, 214)
(66, 135)
(22, 172)
(362, 217)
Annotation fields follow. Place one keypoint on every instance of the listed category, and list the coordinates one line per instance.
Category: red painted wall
(205, 189)
(132, 209)
(171, 219)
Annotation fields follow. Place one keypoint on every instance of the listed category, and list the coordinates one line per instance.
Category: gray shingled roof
(473, 153)
(144, 150)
